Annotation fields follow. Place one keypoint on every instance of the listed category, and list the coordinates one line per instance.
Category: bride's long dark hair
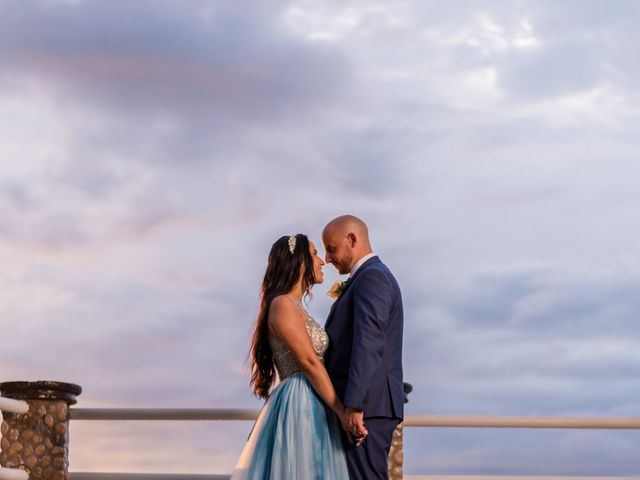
(283, 273)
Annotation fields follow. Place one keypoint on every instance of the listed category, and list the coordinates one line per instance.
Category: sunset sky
(152, 150)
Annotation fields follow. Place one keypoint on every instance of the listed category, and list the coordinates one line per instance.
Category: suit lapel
(333, 307)
(373, 259)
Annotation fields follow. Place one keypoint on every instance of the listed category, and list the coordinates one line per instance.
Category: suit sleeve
(372, 301)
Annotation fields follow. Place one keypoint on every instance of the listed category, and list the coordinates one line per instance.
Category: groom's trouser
(369, 460)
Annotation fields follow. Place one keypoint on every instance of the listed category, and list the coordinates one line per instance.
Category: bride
(296, 435)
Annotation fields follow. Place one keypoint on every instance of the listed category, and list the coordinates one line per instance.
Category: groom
(364, 358)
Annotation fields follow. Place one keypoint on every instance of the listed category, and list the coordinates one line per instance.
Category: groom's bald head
(346, 240)
(348, 224)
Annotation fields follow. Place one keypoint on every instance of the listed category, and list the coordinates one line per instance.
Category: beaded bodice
(285, 362)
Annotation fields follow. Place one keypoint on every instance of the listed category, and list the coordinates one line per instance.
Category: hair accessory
(292, 243)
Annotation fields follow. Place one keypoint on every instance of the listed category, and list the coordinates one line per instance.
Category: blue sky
(153, 150)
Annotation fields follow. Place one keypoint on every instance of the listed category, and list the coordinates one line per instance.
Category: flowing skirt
(295, 437)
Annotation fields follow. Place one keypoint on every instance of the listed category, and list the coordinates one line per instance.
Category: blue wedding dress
(296, 436)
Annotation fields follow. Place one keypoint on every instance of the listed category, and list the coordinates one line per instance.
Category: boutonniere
(336, 289)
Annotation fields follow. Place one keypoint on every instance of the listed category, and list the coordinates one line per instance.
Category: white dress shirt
(360, 262)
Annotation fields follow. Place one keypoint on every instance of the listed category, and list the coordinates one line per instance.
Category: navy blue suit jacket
(364, 358)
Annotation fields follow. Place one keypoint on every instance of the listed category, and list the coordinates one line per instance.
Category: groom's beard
(344, 267)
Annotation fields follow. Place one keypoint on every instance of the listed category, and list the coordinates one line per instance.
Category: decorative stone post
(38, 441)
(396, 456)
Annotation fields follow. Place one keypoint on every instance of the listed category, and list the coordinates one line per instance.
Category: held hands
(353, 424)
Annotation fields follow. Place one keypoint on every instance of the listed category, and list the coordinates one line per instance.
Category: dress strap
(298, 303)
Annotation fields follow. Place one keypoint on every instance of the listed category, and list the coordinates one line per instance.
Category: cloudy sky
(152, 150)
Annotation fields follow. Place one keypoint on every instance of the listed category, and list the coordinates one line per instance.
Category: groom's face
(338, 251)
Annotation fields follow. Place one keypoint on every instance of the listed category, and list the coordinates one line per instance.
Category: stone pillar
(396, 455)
(38, 441)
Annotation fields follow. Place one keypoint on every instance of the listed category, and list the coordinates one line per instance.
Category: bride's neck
(297, 292)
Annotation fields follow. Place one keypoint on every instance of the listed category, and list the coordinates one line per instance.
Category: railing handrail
(163, 414)
(489, 421)
(147, 476)
(464, 421)
(203, 476)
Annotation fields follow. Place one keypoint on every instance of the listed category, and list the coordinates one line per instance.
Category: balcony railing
(439, 421)
(462, 421)
(411, 421)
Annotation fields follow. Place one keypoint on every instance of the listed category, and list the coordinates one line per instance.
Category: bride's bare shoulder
(283, 309)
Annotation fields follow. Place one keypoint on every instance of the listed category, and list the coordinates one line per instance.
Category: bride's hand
(342, 416)
(357, 440)
(353, 425)
(360, 440)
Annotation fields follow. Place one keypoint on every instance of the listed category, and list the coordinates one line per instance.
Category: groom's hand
(354, 425)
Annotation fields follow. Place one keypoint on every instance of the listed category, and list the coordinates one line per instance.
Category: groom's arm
(372, 301)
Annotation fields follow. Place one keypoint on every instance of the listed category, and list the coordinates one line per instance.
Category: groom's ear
(352, 239)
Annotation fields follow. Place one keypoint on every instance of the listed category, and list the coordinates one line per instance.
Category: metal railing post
(38, 441)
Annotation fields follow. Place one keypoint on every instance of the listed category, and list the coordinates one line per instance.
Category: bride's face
(318, 263)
